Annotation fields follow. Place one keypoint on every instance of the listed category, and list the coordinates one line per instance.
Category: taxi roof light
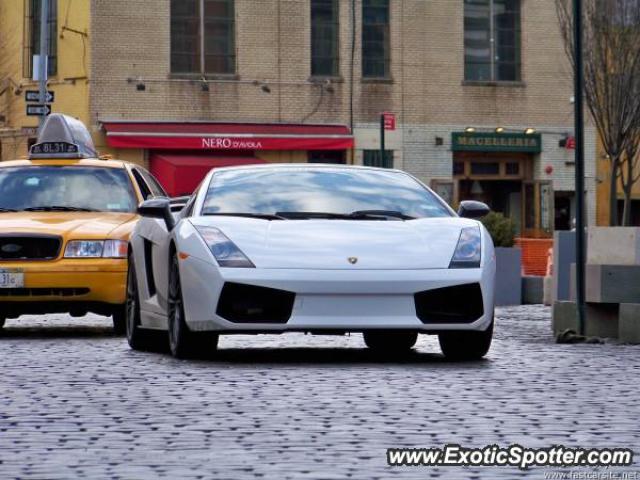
(63, 136)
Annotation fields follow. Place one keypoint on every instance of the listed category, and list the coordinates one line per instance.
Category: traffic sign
(389, 121)
(34, 96)
(38, 110)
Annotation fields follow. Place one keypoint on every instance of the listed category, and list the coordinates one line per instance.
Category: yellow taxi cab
(65, 221)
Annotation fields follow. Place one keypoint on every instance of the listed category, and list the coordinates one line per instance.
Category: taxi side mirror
(158, 208)
(473, 209)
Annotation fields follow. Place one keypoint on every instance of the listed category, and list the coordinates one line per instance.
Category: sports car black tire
(183, 343)
(390, 342)
(466, 345)
(2, 322)
(138, 337)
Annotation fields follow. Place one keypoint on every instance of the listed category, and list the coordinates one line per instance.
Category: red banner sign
(229, 143)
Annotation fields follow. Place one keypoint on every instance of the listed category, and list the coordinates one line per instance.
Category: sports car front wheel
(466, 345)
(184, 343)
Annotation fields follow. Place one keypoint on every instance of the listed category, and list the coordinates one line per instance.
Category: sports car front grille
(450, 305)
(43, 292)
(29, 247)
(241, 303)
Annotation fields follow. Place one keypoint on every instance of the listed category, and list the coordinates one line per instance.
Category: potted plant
(508, 259)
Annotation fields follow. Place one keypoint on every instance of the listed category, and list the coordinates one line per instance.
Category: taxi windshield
(66, 188)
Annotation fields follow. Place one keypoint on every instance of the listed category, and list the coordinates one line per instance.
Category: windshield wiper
(357, 215)
(7, 210)
(263, 216)
(380, 213)
(57, 208)
(308, 215)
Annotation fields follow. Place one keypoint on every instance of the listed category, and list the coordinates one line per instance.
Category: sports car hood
(344, 244)
(78, 225)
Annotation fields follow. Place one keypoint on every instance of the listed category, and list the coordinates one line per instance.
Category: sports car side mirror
(158, 208)
(473, 209)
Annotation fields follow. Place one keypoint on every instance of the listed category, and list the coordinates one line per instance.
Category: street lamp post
(43, 64)
(579, 168)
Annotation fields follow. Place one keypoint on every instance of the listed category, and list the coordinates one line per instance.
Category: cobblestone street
(78, 403)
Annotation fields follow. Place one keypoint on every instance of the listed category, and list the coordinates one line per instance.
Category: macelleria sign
(496, 142)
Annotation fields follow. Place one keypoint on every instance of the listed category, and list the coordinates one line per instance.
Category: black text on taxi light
(62, 137)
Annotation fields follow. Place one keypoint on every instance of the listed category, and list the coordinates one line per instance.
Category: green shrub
(501, 228)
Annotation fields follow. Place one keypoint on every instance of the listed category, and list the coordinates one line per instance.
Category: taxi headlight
(96, 249)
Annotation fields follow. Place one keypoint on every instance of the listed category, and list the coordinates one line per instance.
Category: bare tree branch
(611, 81)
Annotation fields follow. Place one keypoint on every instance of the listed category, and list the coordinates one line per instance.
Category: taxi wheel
(390, 342)
(120, 320)
(183, 343)
(139, 338)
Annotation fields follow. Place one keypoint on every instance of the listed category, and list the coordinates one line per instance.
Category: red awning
(181, 174)
(226, 136)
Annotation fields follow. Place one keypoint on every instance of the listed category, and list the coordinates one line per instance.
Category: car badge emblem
(353, 260)
(11, 248)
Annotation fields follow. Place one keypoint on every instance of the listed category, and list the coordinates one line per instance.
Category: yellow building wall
(602, 187)
(70, 83)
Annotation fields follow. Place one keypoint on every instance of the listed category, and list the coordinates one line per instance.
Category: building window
(492, 40)
(326, 156)
(324, 38)
(372, 158)
(203, 37)
(376, 51)
(32, 36)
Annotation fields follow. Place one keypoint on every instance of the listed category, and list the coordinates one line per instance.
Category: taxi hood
(74, 225)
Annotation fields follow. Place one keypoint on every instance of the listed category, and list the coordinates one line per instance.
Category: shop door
(537, 209)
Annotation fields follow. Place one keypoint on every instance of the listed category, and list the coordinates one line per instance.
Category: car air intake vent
(459, 304)
(29, 247)
(240, 303)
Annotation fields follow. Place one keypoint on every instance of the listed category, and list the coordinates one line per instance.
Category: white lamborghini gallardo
(312, 248)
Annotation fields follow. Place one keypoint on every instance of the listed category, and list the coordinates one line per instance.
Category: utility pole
(579, 169)
(382, 140)
(43, 64)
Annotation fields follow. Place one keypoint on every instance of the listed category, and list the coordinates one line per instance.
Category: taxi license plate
(11, 278)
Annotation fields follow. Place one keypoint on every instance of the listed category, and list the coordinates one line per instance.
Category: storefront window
(492, 40)
(376, 51)
(203, 36)
(485, 168)
(324, 38)
(372, 158)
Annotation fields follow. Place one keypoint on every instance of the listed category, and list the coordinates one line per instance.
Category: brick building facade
(422, 61)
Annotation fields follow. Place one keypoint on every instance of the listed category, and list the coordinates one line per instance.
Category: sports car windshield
(69, 188)
(320, 193)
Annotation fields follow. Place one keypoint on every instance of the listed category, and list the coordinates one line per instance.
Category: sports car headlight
(226, 253)
(468, 250)
(96, 249)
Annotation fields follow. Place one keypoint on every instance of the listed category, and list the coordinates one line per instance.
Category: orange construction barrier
(535, 255)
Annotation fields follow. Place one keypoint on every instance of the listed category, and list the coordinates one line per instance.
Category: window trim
(202, 73)
(519, 82)
(387, 78)
(389, 153)
(28, 49)
(336, 59)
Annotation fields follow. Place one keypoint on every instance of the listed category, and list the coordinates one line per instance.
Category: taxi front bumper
(66, 285)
